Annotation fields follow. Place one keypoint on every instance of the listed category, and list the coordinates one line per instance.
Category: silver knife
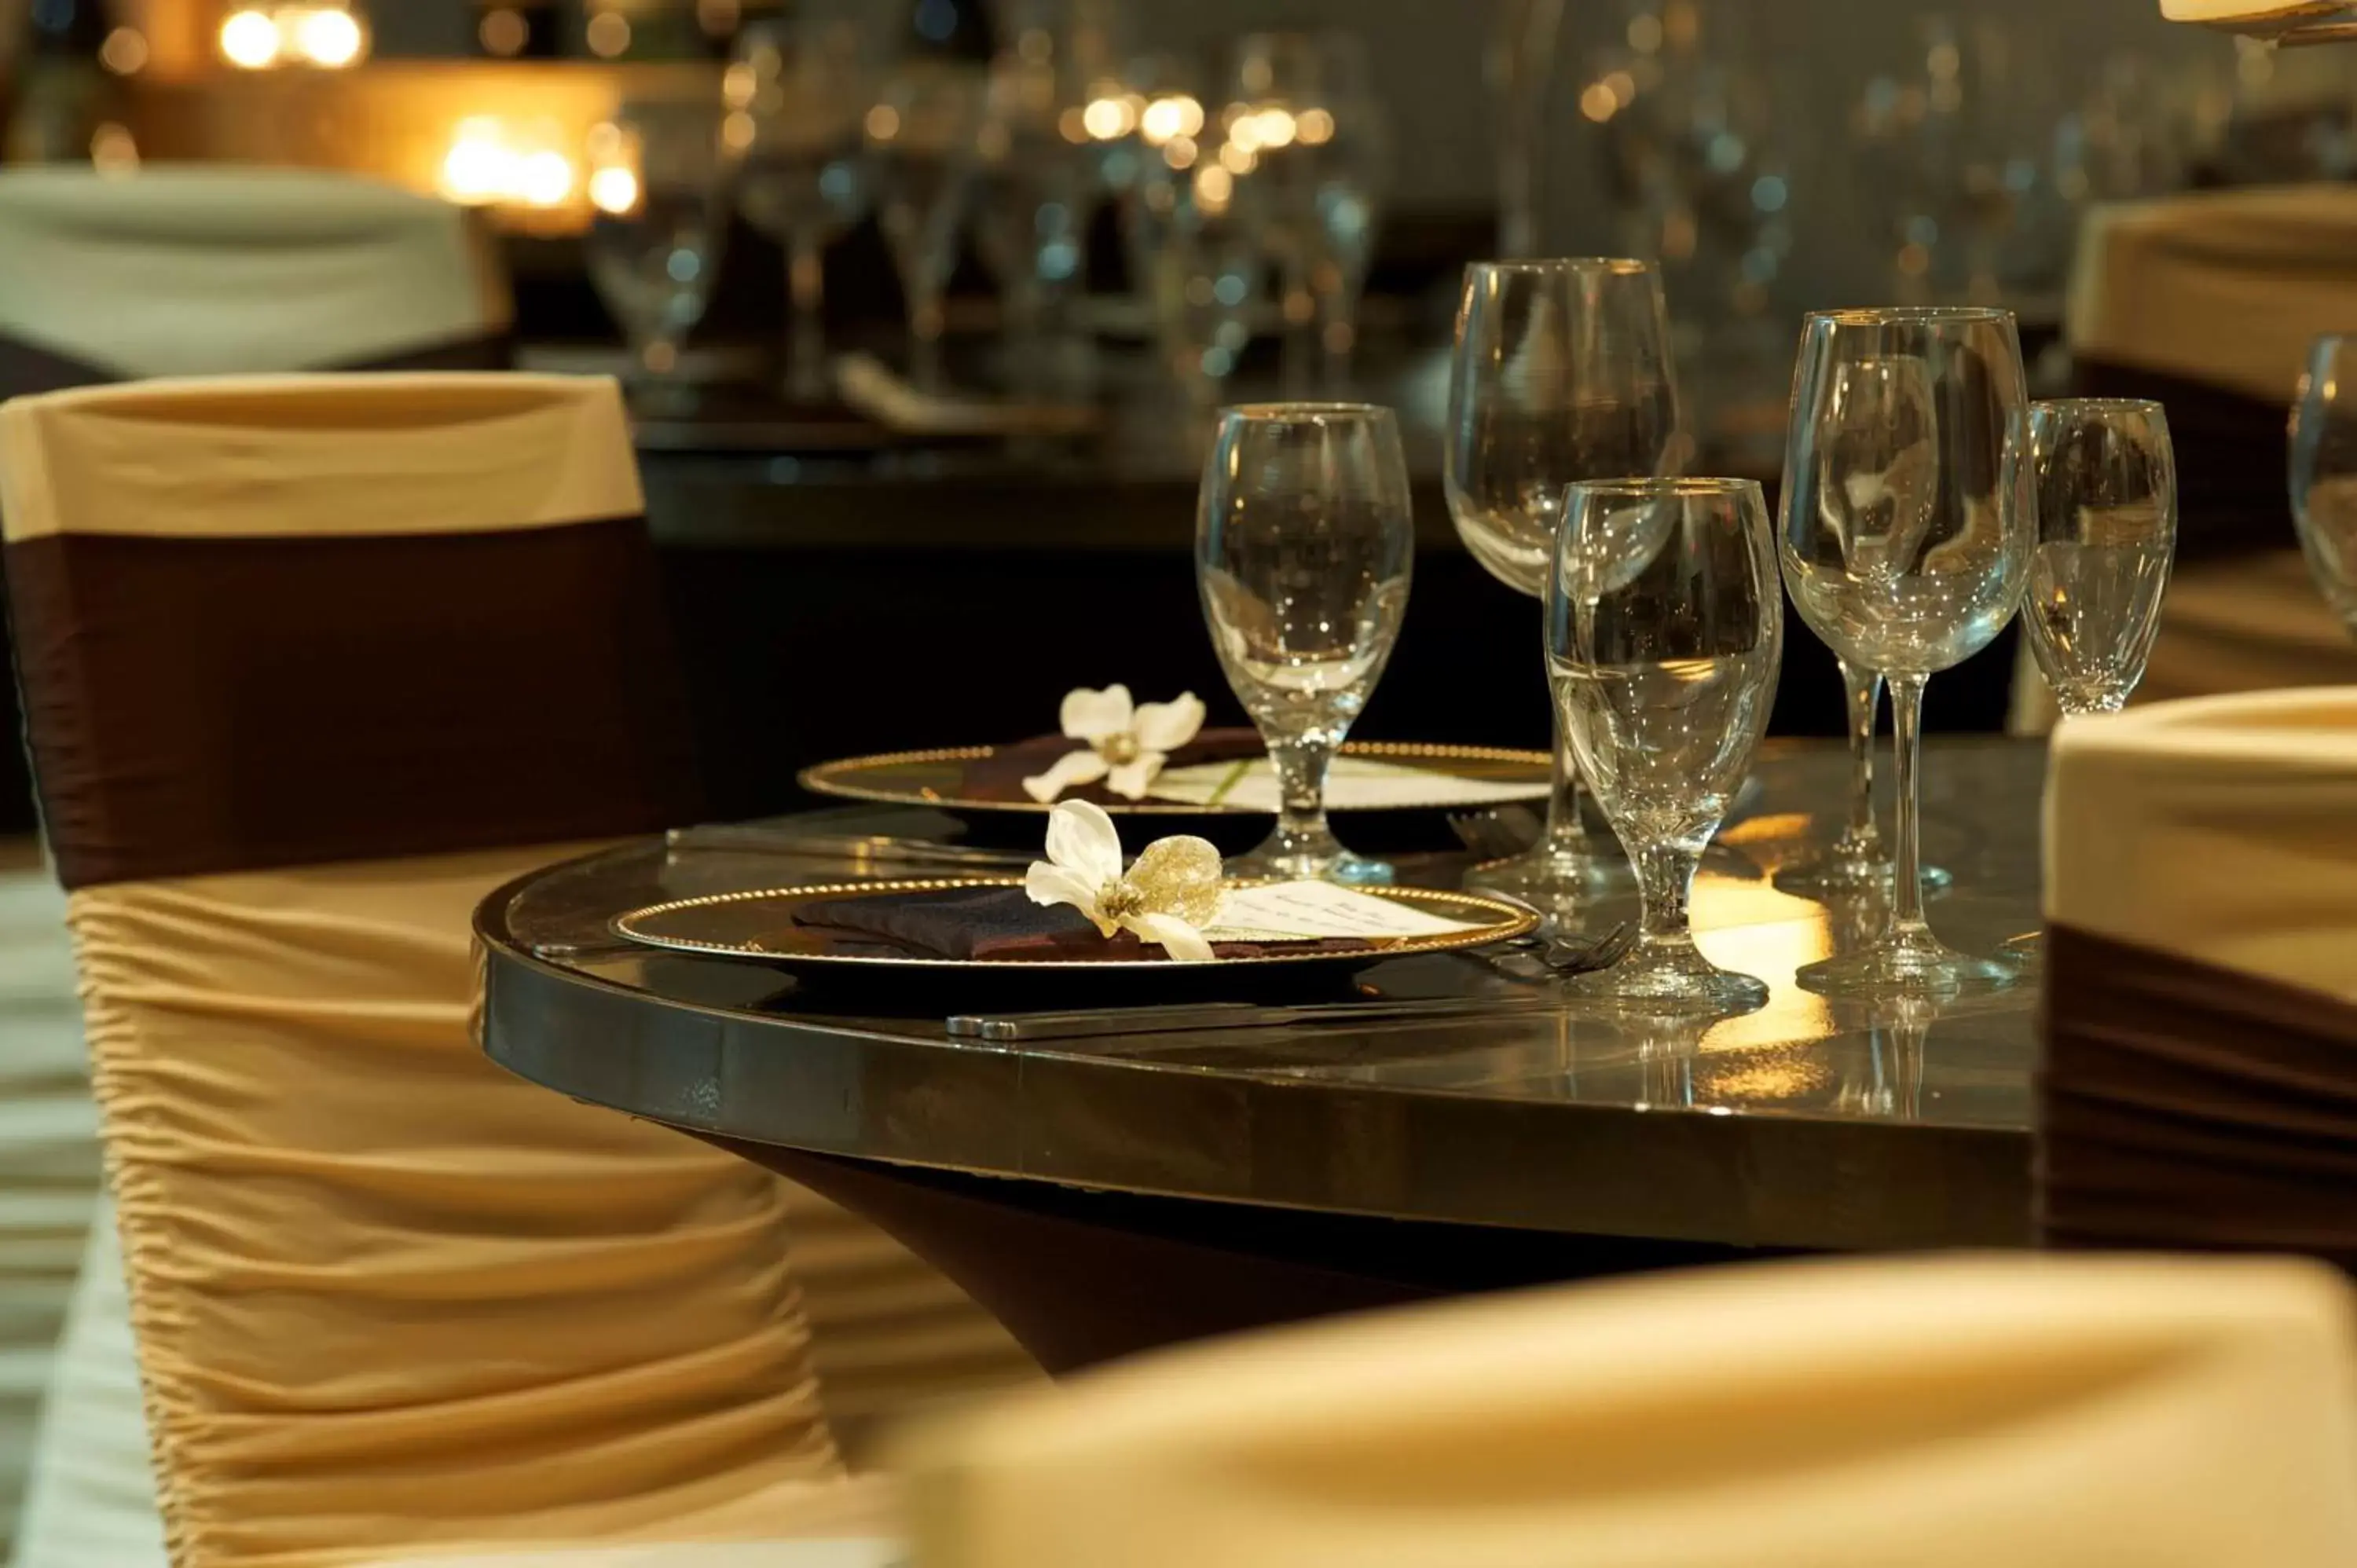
(1000, 1028)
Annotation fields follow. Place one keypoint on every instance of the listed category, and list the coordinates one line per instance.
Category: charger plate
(937, 778)
(759, 926)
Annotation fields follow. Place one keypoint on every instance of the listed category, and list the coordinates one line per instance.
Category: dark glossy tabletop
(1809, 1123)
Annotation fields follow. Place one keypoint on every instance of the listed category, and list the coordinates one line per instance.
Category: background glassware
(1192, 231)
(922, 139)
(1302, 113)
(1562, 372)
(2106, 486)
(1303, 547)
(1665, 631)
(798, 91)
(2324, 472)
(1035, 188)
(1905, 538)
(660, 188)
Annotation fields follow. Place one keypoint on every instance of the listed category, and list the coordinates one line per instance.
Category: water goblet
(923, 137)
(659, 187)
(1303, 547)
(1905, 536)
(1665, 631)
(2324, 472)
(2107, 486)
(1562, 372)
(798, 91)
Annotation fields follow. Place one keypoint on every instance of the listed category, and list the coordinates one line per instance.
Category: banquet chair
(2199, 1085)
(1949, 1413)
(311, 664)
(178, 270)
(2208, 303)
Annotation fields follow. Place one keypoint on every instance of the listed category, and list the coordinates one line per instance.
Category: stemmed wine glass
(1034, 191)
(659, 187)
(798, 91)
(1303, 546)
(1665, 631)
(1562, 372)
(2107, 486)
(923, 135)
(1907, 530)
(2324, 472)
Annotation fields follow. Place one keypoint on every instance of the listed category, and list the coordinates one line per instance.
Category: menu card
(1315, 911)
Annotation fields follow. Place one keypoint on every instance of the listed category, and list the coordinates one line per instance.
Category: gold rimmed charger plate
(759, 925)
(937, 778)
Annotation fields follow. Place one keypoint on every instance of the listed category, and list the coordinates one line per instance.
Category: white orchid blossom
(1166, 899)
(1128, 742)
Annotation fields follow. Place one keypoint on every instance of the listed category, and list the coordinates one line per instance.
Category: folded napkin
(999, 776)
(1002, 924)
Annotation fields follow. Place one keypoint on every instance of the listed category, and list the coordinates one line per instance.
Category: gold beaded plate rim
(841, 778)
(2290, 17)
(1505, 922)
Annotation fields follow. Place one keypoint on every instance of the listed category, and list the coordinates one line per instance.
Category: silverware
(1004, 1027)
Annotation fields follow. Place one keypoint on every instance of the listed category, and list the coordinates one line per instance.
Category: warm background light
(249, 41)
(329, 36)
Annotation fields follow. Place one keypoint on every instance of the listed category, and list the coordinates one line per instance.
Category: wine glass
(1665, 630)
(922, 138)
(2324, 472)
(798, 90)
(1562, 372)
(1033, 189)
(1905, 536)
(2107, 486)
(1303, 546)
(1302, 109)
(659, 187)
(1193, 229)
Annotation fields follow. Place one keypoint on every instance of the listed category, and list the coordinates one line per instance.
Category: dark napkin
(999, 776)
(1002, 924)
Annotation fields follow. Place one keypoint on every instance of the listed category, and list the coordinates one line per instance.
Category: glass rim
(1648, 487)
(1913, 314)
(2100, 406)
(1306, 412)
(1558, 266)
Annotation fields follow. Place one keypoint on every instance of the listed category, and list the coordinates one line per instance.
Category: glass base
(1830, 874)
(1307, 857)
(1662, 975)
(1907, 962)
(2027, 954)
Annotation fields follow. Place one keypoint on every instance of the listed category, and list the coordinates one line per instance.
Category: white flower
(1127, 744)
(1173, 890)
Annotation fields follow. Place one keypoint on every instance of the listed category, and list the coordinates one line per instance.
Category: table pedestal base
(1080, 1277)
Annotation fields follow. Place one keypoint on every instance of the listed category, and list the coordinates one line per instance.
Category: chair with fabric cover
(311, 664)
(2198, 1089)
(1942, 1415)
(106, 277)
(2208, 303)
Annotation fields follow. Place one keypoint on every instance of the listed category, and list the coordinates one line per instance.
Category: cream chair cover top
(1947, 1414)
(2199, 1084)
(305, 657)
(187, 270)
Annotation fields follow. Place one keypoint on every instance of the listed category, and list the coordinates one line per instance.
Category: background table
(1106, 1195)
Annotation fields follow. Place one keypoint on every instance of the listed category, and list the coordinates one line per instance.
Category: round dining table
(1110, 1183)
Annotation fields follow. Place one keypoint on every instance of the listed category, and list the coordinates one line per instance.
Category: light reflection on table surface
(1810, 1121)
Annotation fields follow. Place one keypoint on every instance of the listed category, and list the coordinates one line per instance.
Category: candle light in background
(494, 162)
(331, 37)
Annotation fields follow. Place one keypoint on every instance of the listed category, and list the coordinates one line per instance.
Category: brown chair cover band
(28, 368)
(212, 704)
(2232, 496)
(2187, 1107)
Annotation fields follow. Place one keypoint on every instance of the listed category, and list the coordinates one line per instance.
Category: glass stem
(806, 335)
(1907, 720)
(1665, 875)
(925, 325)
(1301, 768)
(1865, 687)
(1566, 825)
